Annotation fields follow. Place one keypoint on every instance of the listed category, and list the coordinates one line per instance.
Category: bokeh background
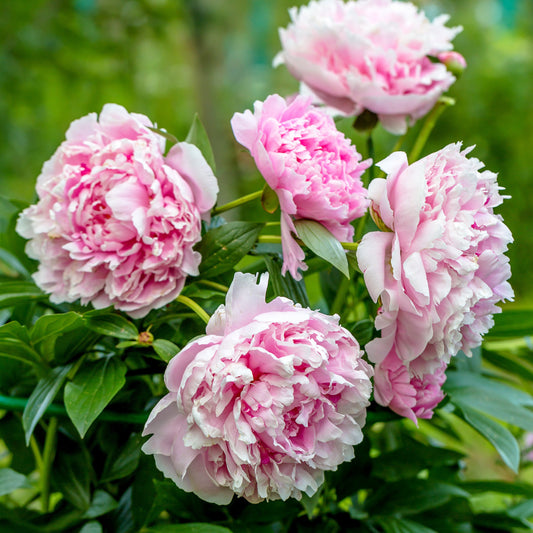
(61, 59)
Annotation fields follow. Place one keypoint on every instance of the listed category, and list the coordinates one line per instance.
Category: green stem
(36, 453)
(236, 203)
(193, 306)
(428, 126)
(11, 403)
(214, 285)
(371, 155)
(340, 297)
(48, 458)
(276, 239)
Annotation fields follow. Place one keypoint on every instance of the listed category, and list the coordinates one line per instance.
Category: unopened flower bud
(454, 62)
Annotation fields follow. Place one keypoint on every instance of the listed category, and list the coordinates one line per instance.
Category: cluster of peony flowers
(271, 397)
(438, 270)
(274, 394)
(378, 55)
(312, 167)
(117, 220)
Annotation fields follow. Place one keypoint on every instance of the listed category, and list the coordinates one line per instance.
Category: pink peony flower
(440, 269)
(271, 397)
(313, 168)
(369, 54)
(116, 220)
(410, 396)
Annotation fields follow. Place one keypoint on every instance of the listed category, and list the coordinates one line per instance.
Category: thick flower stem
(276, 239)
(191, 304)
(428, 126)
(236, 203)
(48, 458)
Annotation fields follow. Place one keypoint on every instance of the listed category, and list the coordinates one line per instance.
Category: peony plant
(180, 372)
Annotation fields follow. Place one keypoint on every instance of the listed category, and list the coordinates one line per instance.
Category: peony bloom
(116, 220)
(271, 397)
(378, 55)
(313, 168)
(439, 271)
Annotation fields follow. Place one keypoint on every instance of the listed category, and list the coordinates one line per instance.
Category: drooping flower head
(312, 167)
(116, 220)
(380, 55)
(270, 398)
(440, 270)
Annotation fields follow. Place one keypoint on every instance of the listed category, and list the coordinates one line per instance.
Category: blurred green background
(61, 59)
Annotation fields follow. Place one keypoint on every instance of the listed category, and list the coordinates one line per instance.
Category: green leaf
(11, 480)
(285, 285)
(198, 136)
(168, 136)
(509, 363)
(411, 496)
(363, 330)
(323, 243)
(411, 458)
(111, 324)
(93, 387)
(11, 265)
(310, 503)
(49, 326)
(188, 528)
(41, 397)
(500, 437)
(125, 463)
(223, 247)
(456, 381)
(512, 323)
(91, 527)
(102, 503)
(269, 199)
(165, 349)
(16, 292)
(16, 349)
(500, 521)
(71, 474)
(516, 487)
(392, 524)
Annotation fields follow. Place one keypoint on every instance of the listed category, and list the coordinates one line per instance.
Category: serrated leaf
(111, 324)
(500, 437)
(16, 292)
(101, 504)
(198, 136)
(165, 349)
(188, 528)
(92, 388)
(11, 480)
(223, 247)
(53, 325)
(269, 199)
(41, 397)
(317, 238)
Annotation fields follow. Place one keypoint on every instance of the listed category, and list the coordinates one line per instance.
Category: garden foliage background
(62, 59)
